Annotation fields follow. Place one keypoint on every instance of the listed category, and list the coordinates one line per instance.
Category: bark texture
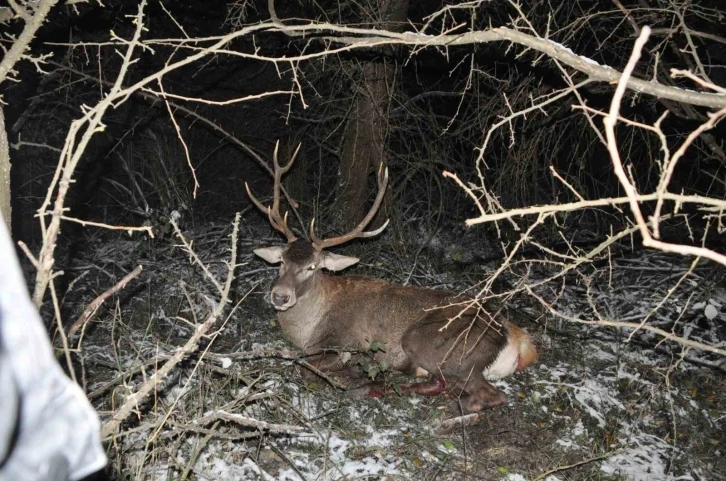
(367, 128)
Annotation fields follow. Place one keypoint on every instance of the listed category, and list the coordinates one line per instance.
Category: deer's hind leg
(478, 394)
(459, 354)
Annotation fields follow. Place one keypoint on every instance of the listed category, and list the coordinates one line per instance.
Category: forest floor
(596, 406)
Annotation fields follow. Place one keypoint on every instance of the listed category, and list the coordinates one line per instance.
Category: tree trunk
(5, 209)
(367, 128)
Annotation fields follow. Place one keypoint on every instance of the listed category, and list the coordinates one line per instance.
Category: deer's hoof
(476, 403)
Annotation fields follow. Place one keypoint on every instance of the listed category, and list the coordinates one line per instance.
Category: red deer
(319, 313)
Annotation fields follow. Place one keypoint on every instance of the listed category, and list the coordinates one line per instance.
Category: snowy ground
(594, 407)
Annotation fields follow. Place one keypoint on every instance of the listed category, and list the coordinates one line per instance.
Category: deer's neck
(304, 323)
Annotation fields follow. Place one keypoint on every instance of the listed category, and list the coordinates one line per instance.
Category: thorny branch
(136, 398)
(32, 24)
(69, 158)
(649, 230)
(648, 239)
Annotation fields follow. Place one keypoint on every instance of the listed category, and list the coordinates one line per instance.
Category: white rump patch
(505, 363)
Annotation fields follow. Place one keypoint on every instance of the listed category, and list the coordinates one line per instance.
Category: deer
(423, 331)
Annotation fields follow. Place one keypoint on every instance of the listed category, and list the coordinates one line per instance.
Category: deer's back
(362, 310)
(380, 304)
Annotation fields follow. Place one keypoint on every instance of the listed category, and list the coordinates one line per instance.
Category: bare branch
(33, 23)
(96, 303)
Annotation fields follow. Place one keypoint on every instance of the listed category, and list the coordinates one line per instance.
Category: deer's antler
(357, 233)
(277, 221)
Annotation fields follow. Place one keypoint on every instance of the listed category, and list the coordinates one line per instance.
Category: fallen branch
(136, 398)
(252, 423)
(579, 463)
(459, 421)
(93, 306)
(279, 354)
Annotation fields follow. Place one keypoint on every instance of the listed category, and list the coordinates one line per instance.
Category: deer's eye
(312, 267)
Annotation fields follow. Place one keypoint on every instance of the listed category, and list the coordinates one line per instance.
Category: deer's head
(301, 260)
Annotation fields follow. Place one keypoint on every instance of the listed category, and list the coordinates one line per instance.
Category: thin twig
(579, 463)
(96, 303)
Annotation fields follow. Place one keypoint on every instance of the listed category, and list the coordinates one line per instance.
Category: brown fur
(318, 311)
(527, 352)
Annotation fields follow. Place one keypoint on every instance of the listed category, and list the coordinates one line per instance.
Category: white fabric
(48, 429)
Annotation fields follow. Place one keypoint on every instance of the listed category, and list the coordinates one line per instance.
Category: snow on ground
(623, 410)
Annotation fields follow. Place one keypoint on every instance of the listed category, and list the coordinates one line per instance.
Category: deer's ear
(336, 262)
(273, 255)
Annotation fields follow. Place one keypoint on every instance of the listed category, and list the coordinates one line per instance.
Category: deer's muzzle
(282, 299)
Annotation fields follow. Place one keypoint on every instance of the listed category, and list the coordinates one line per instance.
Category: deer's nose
(280, 299)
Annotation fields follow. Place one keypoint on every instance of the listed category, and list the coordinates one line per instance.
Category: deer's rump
(470, 343)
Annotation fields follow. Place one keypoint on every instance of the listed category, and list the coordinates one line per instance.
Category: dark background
(439, 104)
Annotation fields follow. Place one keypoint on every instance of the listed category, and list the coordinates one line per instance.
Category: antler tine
(254, 200)
(277, 221)
(373, 233)
(358, 231)
(279, 172)
(313, 236)
(288, 232)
